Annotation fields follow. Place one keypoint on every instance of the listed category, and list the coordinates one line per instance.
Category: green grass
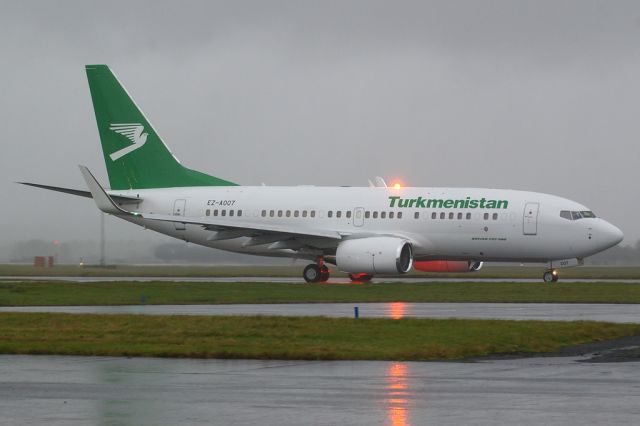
(296, 271)
(159, 293)
(258, 337)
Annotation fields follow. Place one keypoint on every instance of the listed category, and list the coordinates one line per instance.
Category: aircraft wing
(225, 228)
(236, 224)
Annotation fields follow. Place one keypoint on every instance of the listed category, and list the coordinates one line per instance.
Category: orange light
(397, 310)
(398, 395)
(397, 186)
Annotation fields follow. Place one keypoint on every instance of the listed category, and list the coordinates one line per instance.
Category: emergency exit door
(530, 219)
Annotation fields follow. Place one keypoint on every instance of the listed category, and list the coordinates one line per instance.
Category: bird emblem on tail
(133, 132)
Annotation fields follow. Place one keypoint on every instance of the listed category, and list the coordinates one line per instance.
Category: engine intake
(375, 255)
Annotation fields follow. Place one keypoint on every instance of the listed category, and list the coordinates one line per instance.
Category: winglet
(102, 199)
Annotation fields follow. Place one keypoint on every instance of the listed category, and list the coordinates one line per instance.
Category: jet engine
(375, 255)
(447, 266)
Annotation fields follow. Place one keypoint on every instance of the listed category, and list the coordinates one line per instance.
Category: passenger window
(230, 212)
(416, 215)
(434, 215)
(208, 212)
(313, 213)
(304, 213)
(495, 216)
(451, 215)
(279, 213)
(338, 214)
(239, 212)
(272, 213)
(442, 215)
(348, 214)
(288, 214)
(399, 215)
(367, 214)
(486, 216)
(383, 215)
(296, 213)
(375, 215)
(468, 216)
(264, 213)
(329, 213)
(459, 216)
(223, 212)
(390, 215)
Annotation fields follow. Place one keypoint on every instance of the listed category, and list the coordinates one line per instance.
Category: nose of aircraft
(610, 235)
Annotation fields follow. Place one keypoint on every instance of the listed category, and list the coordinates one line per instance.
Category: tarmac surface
(55, 390)
(621, 313)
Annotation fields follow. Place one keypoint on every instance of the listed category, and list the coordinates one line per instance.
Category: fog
(540, 96)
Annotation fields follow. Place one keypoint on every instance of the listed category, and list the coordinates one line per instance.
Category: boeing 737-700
(363, 231)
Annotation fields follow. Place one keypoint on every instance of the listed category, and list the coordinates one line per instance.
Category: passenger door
(178, 210)
(530, 219)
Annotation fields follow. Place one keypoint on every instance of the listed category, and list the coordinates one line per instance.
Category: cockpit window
(576, 215)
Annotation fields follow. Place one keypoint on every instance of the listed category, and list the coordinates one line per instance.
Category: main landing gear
(316, 273)
(550, 276)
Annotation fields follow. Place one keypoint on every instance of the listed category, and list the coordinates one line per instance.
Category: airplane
(363, 231)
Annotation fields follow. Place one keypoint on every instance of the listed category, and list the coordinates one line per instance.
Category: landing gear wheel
(550, 276)
(324, 274)
(312, 273)
(360, 278)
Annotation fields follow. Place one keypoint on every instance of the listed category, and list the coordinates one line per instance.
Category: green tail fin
(136, 157)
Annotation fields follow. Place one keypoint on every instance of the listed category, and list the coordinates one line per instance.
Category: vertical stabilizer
(135, 155)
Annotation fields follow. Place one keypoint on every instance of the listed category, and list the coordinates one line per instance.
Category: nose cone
(610, 235)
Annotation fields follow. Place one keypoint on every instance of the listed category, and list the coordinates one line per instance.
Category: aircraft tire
(312, 273)
(324, 274)
(549, 277)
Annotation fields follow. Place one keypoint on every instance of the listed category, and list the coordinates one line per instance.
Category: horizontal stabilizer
(120, 199)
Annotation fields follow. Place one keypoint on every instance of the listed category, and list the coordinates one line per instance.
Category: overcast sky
(535, 95)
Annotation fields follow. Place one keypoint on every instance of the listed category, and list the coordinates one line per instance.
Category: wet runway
(293, 280)
(511, 311)
(50, 390)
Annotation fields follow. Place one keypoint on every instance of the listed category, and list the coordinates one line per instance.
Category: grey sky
(540, 96)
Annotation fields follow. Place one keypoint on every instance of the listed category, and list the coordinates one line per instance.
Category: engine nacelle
(375, 255)
(447, 266)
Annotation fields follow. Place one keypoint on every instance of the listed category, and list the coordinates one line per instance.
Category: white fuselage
(518, 226)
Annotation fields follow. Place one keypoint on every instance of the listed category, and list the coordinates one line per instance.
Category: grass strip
(163, 293)
(308, 338)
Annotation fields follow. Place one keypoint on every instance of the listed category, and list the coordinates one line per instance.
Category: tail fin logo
(133, 132)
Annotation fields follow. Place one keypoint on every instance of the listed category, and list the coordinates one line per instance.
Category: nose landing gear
(550, 276)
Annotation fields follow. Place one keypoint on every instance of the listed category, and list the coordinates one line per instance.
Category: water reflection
(398, 393)
(397, 310)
